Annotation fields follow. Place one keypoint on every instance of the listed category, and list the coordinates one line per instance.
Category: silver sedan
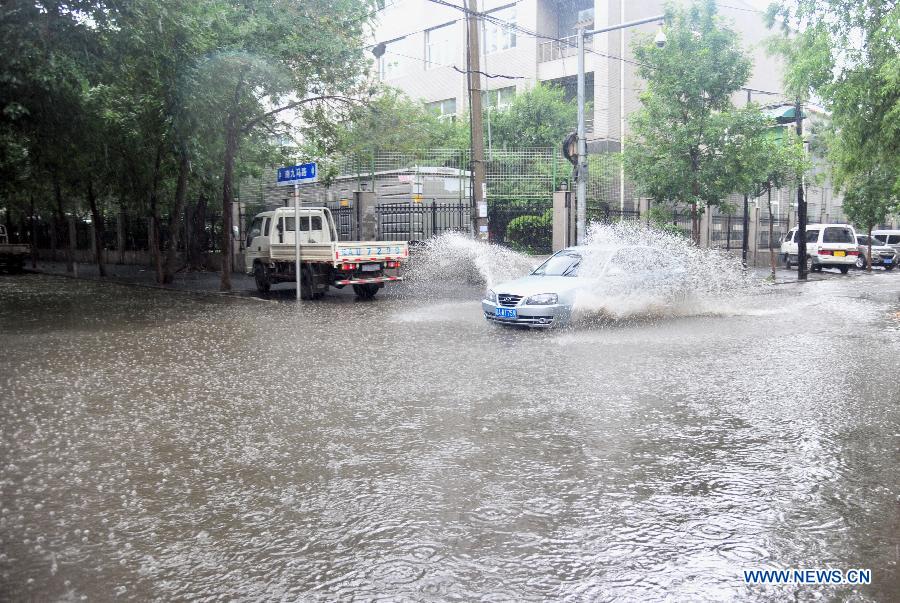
(546, 297)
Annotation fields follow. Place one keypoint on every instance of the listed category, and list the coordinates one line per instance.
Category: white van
(827, 246)
(888, 237)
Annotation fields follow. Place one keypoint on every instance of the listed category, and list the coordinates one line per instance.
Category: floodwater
(164, 445)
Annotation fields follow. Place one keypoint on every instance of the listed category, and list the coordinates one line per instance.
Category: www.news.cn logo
(808, 576)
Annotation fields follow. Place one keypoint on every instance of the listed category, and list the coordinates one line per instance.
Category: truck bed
(344, 251)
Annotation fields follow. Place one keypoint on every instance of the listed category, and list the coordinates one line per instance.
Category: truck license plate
(370, 267)
(505, 313)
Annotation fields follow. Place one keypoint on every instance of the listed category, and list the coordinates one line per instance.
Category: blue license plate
(888, 260)
(505, 313)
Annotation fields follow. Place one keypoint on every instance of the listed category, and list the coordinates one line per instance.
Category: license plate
(370, 267)
(840, 254)
(888, 260)
(505, 312)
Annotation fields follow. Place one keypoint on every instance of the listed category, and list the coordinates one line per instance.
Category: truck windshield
(561, 264)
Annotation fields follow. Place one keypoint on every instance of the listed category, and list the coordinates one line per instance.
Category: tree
(392, 121)
(847, 55)
(687, 128)
(266, 65)
(538, 117)
(774, 160)
(869, 198)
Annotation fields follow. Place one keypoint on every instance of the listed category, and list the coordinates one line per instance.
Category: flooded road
(164, 445)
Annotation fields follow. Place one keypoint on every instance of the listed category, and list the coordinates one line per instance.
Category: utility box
(563, 220)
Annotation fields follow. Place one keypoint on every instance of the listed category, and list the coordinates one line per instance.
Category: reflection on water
(157, 445)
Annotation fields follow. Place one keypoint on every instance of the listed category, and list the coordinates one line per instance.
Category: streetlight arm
(591, 32)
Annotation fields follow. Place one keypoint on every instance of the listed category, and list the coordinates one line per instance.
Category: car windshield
(561, 264)
(836, 234)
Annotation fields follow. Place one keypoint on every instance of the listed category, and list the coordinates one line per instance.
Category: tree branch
(293, 105)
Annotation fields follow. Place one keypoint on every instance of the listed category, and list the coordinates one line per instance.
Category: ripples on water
(171, 446)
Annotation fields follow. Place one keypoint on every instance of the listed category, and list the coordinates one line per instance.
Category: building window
(440, 46)
(393, 62)
(497, 36)
(500, 98)
(444, 109)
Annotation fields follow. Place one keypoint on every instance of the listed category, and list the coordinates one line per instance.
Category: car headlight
(542, 299)
(491, 296)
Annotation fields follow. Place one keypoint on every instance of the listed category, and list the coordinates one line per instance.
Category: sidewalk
(205, 281)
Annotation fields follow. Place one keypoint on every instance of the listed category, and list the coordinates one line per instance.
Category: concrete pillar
(753, 240)
(704, 226)
(563, 220)
(644, 209)
(366, 221)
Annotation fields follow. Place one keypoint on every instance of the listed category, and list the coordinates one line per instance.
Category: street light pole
(582, 171)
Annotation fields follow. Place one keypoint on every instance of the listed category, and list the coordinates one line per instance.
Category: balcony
(552, 50)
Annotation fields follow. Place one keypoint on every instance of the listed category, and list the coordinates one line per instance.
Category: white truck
(324, 260)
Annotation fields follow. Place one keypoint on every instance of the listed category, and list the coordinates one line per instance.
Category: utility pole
(479, 218)
(801, 204)
(745, 244)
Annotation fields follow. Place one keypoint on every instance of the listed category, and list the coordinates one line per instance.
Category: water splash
(456, 258)
(630, 270)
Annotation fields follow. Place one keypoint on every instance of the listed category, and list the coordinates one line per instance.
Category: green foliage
(846, 55)
(531, 234)
(393, 121)
(869, 198)
(691, 144)
(538, 117)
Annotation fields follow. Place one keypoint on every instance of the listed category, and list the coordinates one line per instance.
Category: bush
(531, 234)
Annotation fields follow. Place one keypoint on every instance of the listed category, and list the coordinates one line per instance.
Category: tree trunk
(33, 235)
(197, 245)
(155, 255)
(175, 218)
(97, 219)
(869, 258)
(120, 232)
(61, 219)
(771, 233)
(231, 143)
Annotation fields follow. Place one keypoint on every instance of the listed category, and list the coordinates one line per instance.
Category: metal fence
(420, 220)
(603, 213)
(525, 225)
(779, 229)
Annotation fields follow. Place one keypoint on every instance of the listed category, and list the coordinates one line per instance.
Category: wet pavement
(161, 445)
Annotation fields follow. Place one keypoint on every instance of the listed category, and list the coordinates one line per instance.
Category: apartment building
(425, 45)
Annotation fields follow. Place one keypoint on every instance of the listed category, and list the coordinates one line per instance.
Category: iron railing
(416, 220)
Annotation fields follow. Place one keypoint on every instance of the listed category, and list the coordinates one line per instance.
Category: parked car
(888, 237)
(882, 255)
(546, 296)
(12, 255)
(827, 246)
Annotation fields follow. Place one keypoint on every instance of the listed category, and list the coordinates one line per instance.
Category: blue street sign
(296, 174)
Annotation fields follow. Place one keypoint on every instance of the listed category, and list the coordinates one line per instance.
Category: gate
(416, 221)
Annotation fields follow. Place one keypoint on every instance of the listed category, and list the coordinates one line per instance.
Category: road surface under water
(164, 445)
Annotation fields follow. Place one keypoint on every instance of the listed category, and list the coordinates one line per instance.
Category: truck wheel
(365, 291)
(263, 282)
